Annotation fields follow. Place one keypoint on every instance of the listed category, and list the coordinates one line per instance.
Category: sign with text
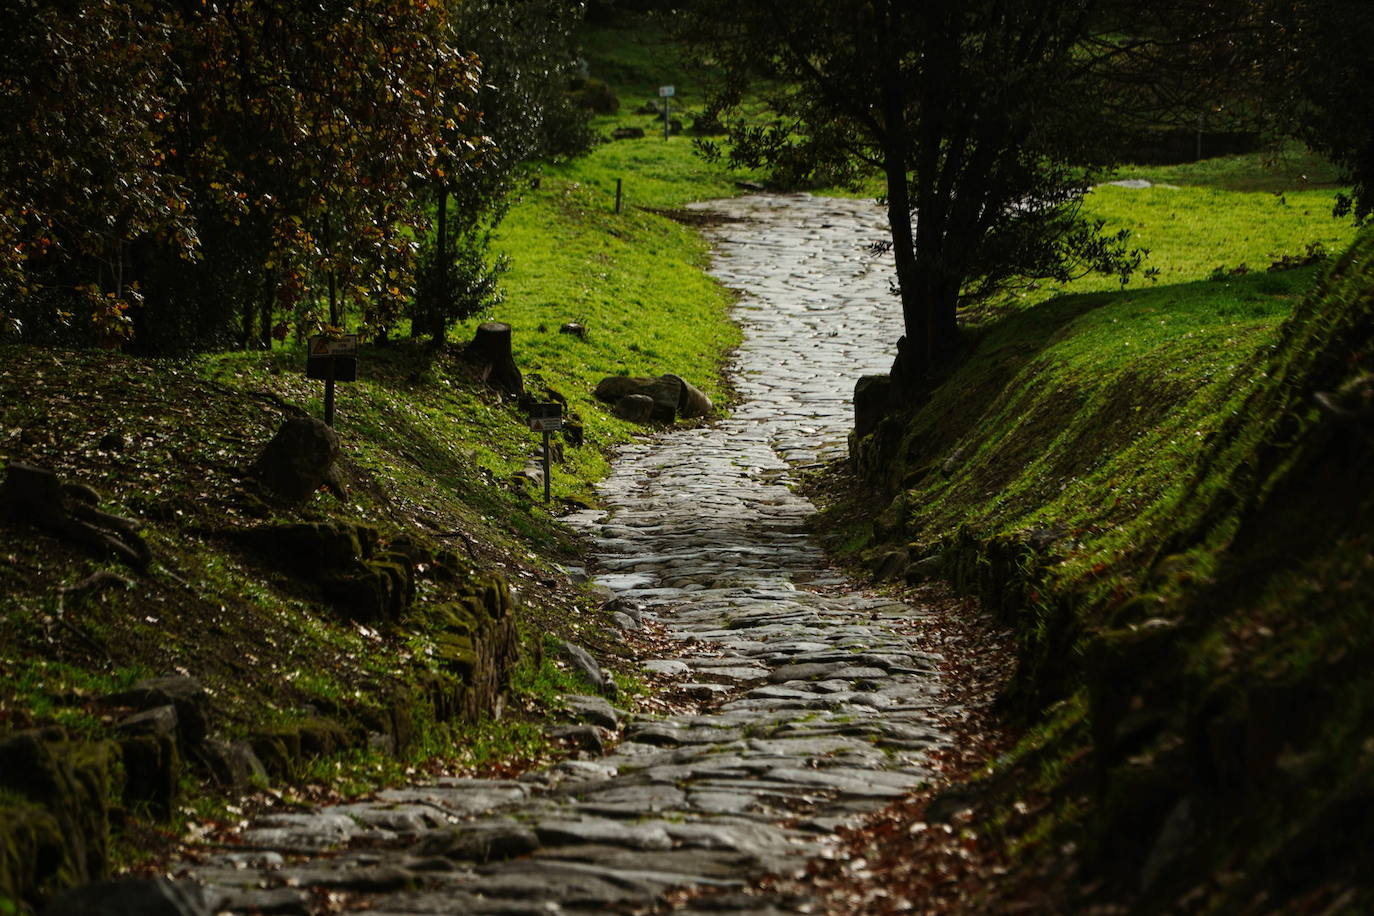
(342, 345)
(666, 92)
(332, 359)
(546, 418)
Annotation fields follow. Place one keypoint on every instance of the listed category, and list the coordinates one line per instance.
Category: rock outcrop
(670, 397)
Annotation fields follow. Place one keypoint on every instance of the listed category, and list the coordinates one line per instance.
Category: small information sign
(666, 92)
(546, 417)
(343, 345)
(330, 359)
(333, 358)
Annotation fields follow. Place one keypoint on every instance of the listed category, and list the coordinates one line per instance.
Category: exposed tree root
(36, 496)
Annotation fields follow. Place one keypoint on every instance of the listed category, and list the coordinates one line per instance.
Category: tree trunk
(334, 318)
(490, 351)
(246, 336)
(895, 137)
(438, 318)
(909, 365)
(269, 295)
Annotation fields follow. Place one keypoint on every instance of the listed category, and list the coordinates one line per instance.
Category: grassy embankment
(1118, 474)
(429, 458)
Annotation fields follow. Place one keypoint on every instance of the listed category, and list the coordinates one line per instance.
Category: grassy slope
(429, 453)
(1088, 471)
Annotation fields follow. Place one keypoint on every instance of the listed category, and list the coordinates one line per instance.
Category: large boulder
(672, 396)
(299, 460)
(55, 811)
(871, 395)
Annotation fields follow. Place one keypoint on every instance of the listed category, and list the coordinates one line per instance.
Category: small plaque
(546, 417)
(666, 92)
(332, 357)
(343, 345)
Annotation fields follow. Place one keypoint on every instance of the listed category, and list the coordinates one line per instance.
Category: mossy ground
(1141, 483)
(429, 453)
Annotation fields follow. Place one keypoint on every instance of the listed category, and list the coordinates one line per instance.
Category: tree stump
(871, 395)
(490, 352)
(37, 497)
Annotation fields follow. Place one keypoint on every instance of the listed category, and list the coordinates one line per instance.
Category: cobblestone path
(817, 708)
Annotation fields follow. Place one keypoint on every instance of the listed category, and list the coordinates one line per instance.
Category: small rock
(158, 721)
(289, 901)
(584, 737)
(627, 133)
(669, 667)
(187, 694)
(575, 329)
(299, 460)
(594, 710)
(892, 564)
(922, 570)
(581, 660)
(624, 606)
(233, 765)
(705, 691)
(624, 621)
(480, 843)
(951, 464)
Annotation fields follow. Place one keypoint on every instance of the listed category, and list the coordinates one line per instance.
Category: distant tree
(988, 120)
(527, 54)
(83, 97)
(180, 170)
(1319, 68)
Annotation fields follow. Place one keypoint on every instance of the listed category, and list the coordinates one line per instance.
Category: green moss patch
(1166, 491)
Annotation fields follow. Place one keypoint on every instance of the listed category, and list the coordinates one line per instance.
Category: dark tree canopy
(1319, 64)
(527, 52)
(191, 175)
(988, 119)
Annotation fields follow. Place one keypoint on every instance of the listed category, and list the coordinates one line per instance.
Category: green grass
(634, 280)
(1138, 480)
(654, 173)
(1291, 167)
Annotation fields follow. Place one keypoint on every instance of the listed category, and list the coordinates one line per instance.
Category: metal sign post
(545, 418)
(666, 93)
(332, 359)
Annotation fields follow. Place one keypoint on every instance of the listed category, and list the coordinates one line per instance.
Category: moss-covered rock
(60, 785)
(33, 850)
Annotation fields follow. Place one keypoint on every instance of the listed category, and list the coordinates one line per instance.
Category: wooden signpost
(666, 93)
(332, 359)
(545, 418)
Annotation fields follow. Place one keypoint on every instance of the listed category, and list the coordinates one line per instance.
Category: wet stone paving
(815, 710)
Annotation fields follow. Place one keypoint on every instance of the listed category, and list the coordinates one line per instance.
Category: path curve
(819, 709)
